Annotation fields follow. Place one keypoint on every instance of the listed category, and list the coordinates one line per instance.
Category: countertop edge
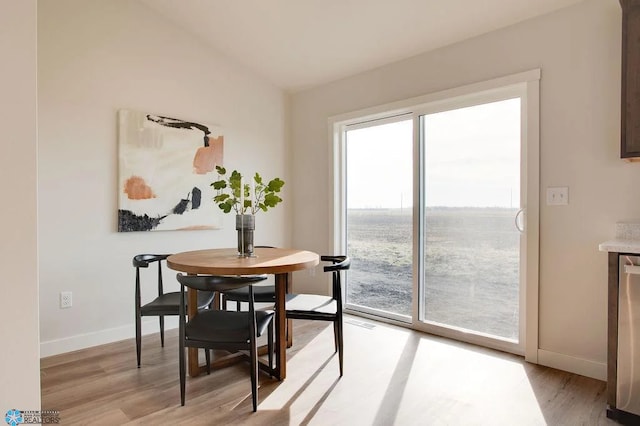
(620, 246)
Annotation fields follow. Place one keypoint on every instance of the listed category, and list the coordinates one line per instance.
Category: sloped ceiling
(297, 44)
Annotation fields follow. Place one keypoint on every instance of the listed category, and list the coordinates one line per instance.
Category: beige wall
(19, 357)
(97, 57)
(578, 52)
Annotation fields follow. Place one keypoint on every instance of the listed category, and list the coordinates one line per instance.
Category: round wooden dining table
(280, 262)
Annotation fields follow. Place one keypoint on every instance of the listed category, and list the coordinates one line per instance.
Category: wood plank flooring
(393, 376)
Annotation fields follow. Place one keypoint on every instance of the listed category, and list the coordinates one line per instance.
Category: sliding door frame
(527, 85)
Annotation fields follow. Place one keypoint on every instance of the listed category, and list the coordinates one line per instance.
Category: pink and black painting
(166, 166)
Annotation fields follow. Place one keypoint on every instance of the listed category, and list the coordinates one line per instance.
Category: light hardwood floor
(393, 376)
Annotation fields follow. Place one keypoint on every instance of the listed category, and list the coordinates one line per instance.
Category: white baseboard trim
(583, 367)
(81, 341)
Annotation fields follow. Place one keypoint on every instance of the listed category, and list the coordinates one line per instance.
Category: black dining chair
(162, 305)
(221, 329)
(323, 308)
(261, 293)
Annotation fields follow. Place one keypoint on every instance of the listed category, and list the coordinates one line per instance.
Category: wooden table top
(226, 261)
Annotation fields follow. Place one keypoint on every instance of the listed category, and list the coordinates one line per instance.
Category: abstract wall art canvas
(166, 166)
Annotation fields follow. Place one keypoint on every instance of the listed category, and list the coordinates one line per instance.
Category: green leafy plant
(256, 195)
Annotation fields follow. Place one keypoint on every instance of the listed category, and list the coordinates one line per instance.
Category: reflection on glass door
(379, 192)
(471, 215)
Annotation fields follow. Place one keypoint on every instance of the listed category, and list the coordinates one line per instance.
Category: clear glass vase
(245, 225)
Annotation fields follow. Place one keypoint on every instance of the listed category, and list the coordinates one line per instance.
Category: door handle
(632, 269)
(517, 223)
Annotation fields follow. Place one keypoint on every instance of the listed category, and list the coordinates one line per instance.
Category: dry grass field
(471, 265)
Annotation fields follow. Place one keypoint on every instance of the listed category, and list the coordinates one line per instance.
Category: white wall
(578, 51)
(93, 59)
(19, 357)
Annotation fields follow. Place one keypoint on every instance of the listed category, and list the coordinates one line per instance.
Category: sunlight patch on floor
(410, 370)
(310, 394)
(476, 384)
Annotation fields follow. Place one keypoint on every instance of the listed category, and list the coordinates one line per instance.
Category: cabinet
(630, 112)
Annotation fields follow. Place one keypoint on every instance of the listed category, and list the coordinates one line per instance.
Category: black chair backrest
(143, 260)
(218, 282)
(340, 263)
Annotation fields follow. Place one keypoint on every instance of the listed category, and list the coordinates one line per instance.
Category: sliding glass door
(431, 201)
(471, 230)
(379, 217)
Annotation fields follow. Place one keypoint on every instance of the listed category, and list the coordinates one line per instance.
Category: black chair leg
(182, 373)
(336, 337)
(270, 348)
(254, 374)
(138, 339)
(340, 344)
(161, 330)
(207, 356)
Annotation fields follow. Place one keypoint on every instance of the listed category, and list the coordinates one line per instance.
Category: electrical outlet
(66, 299)
(558, 196)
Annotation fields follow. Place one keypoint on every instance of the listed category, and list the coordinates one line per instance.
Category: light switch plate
(557, 195)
